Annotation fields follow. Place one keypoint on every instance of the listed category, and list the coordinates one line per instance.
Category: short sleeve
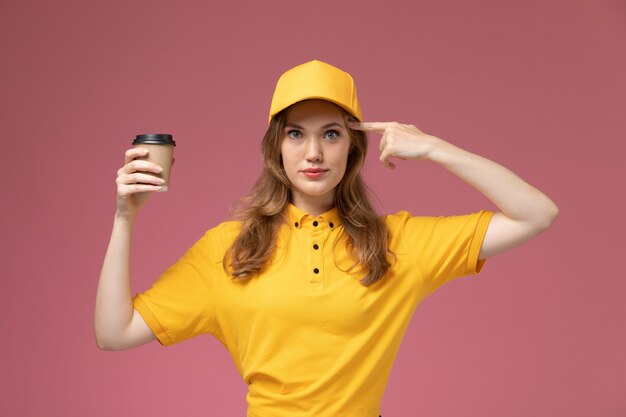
(180, 303)
(443, 248)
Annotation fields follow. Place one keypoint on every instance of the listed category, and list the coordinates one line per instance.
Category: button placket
(317, 252)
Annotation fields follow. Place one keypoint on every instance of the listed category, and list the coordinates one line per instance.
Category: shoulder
(402, 219)
(224, 230)
(216, 241)
(404, 223)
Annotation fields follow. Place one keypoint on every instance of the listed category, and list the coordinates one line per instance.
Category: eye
(332, 134)
(294, 134)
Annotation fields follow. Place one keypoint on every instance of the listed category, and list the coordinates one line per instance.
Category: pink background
(536, 85)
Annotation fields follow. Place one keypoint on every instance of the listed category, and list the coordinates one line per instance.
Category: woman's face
(314, 148)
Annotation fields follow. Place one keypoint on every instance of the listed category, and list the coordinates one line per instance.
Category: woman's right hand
(135, 181)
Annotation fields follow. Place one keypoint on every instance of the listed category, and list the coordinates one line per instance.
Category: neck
(314, 205)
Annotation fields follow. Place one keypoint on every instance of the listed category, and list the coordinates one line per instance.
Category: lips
(314, 172)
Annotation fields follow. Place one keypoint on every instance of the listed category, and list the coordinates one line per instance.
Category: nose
(313, 150)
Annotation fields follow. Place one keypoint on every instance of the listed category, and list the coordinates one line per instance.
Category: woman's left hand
(399, 141)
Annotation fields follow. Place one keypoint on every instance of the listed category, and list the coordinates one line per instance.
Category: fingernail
(158, 169)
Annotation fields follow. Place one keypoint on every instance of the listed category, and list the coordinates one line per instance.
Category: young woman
(309, 289)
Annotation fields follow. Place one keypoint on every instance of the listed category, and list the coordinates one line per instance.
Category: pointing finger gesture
(399, 141)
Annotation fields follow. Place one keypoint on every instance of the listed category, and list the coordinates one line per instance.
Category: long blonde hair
(261, 212)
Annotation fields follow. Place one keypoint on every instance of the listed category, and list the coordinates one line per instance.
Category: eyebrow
(326, 126)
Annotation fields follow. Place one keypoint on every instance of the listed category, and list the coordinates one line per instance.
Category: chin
(314, 191)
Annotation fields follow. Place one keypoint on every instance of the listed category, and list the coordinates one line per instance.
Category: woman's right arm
(118, 325)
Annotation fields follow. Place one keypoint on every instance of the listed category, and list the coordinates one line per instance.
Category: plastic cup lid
(155, 139)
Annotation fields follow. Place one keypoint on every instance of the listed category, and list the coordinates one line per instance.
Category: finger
(383, 142)
(378, 127)
(134, 153)
(385, 159)
(141, 165)
(388, 164)
(139, 178)
(137, 188)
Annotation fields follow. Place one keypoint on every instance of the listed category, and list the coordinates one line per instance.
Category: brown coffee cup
(160, 148)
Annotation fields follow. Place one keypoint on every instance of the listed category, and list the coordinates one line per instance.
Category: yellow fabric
(312, 344)
(316, 80)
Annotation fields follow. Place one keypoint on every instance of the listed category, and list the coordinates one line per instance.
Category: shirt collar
(298, 218)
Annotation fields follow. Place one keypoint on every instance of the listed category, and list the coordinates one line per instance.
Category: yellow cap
(316, 80)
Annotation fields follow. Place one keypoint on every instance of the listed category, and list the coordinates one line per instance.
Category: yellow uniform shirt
(306, 336)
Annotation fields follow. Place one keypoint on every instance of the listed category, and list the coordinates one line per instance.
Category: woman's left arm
(524, 212)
